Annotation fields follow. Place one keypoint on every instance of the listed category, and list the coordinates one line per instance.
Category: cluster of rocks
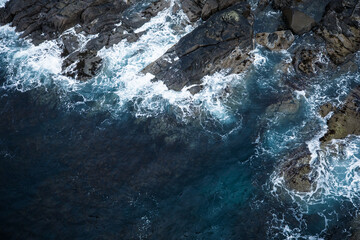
(338, 30)
(223, 41)
(111, 22)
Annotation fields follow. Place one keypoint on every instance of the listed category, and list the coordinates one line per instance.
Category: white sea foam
(2, 3)
(28, 66)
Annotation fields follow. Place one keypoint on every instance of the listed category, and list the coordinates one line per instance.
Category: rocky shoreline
(223, 40)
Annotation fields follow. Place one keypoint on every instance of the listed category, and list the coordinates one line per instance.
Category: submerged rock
(278, 40)
(298, 21)
(340, 28)
(222, 42)
(287, 106)
(297, 171)
(346, 119)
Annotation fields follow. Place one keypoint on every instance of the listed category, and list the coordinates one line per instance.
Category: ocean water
(122, 157)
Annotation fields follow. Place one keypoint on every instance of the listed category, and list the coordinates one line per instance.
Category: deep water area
(122, 157)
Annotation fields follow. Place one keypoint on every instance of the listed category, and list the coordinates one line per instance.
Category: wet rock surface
(298, 21)
(196, 9)
(278, 40)
(112, 21)
(340, 28)
(297, 171)
(222, 42)
(308, 62)
(345, 120)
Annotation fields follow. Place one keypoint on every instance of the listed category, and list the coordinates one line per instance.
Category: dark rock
(297, 171)
(279, 4)
(345, 120)
(196, 9)
(278, 40)
(47, 20)
(223, 42)
(298, 21)
(355, 229)
(82, 65)
(153, 9)
(314, 9)
(71, 44)
(210, 7)
(195, 89)
(340, 28)
(192, 9)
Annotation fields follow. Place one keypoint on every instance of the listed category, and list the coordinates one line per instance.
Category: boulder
(340, 28)
(276, 41)
(297, 171)
(298, 21)
(346, 119)
(307, 61)
(222, 42)
(82, 65)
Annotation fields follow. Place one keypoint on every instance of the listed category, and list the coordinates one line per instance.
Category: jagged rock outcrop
(297, 171)
(346, 119)
(113, 21)
(196, 9)
(223, 42)
(275, 41)
(340, 28)
(298, 21)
